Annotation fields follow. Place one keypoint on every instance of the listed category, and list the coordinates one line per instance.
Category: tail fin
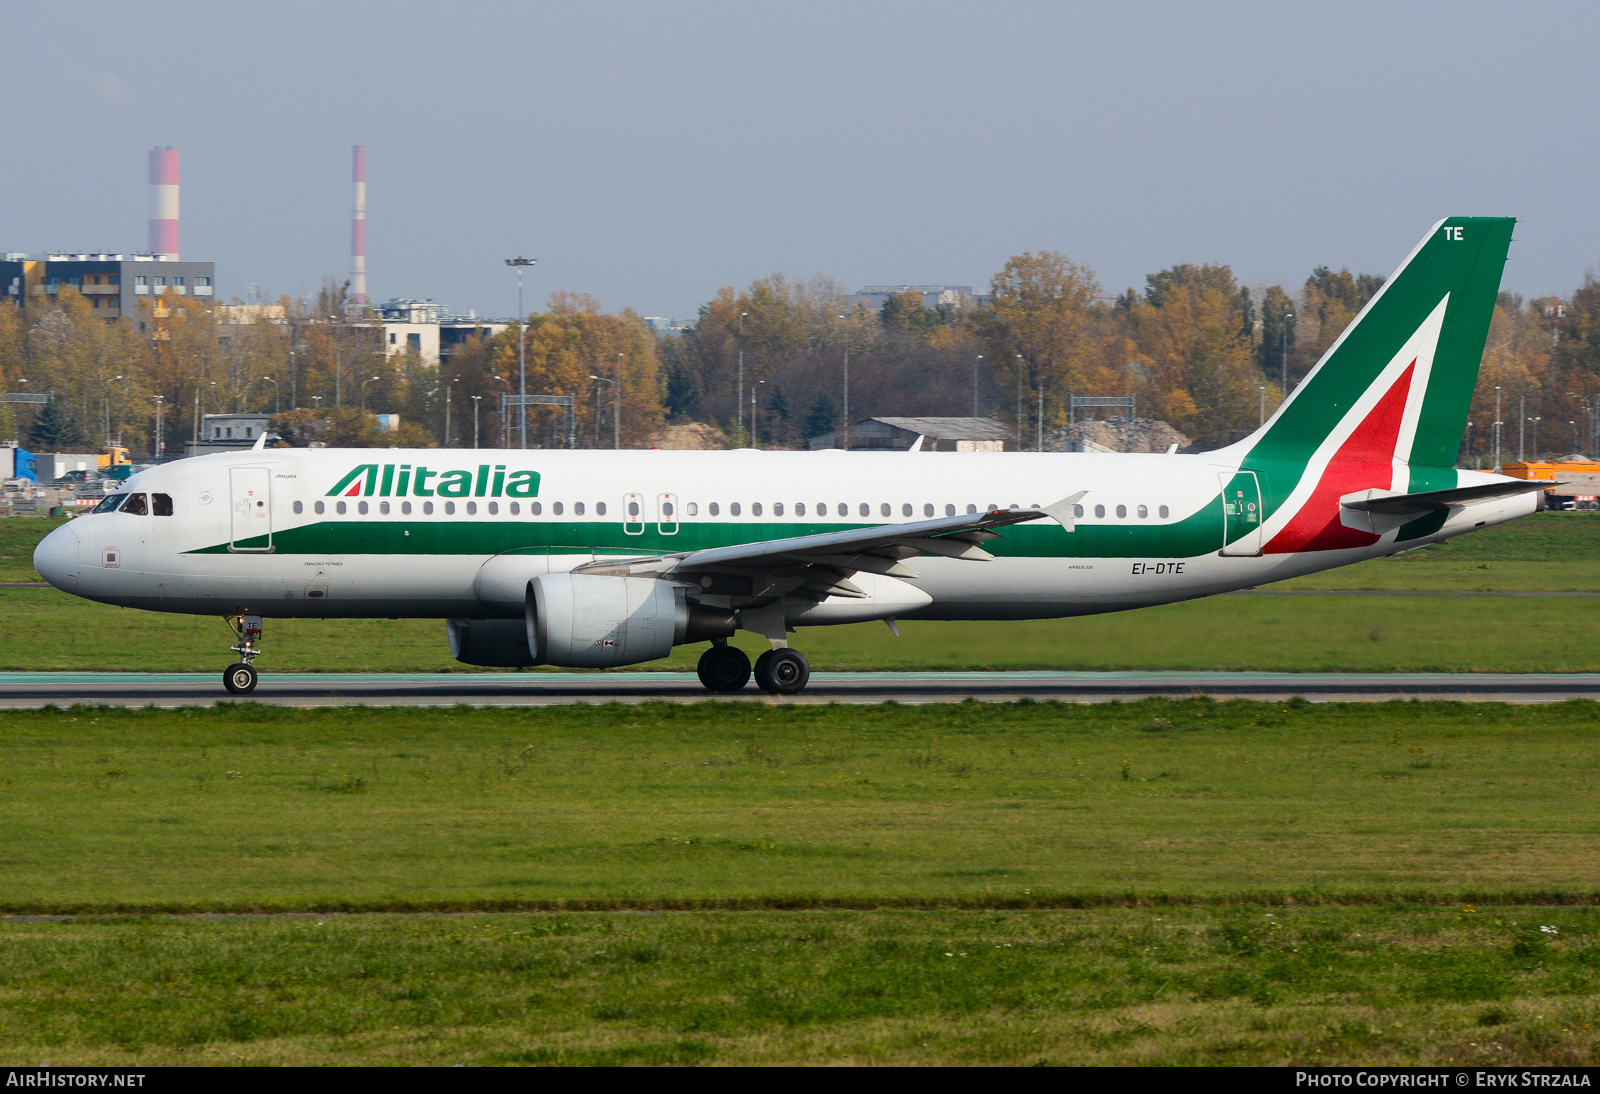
(1387, 404)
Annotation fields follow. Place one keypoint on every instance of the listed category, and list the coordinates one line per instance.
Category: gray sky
(649, 153)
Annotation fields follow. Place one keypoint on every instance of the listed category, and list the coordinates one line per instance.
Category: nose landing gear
(240, 678)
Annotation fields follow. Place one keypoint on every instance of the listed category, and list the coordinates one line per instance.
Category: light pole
(364, 384)
(197, 390)
(522, 343)
(1522, 429)
(277, 403)
(975, 365)
(613, 383)
(1039, 422)
(338, 362)
(738, 402)
(157, 453)
(1283, 350)
(448, 388)
(1499, 426)
(1574, 426)
(1019, 402)
(846, 383)
(755, 430)
(1467, 442)
(616, 408)
(1262, 410)
(1536, 419)
(475, 401)
(316, 402)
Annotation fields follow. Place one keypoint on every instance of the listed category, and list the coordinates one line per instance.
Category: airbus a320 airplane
(599, 559)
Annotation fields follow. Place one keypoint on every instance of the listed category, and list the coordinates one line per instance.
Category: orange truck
(1576, 482)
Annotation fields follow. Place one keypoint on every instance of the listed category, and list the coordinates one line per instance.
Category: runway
(36, 689)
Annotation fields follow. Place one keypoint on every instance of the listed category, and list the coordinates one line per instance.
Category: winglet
(916, 445)
(1062, 511)
(261, 442)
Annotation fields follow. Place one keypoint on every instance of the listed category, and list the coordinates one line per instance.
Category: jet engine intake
(602, 621)
(490, 643)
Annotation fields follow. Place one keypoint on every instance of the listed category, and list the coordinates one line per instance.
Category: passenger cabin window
(844, 509)
(927, 510)
(535, 508)
(949, 510)
(472, 508)
(427, 508)
(755, 509)
(1122, 511)
(340, 508)
(299, 507)
(449, 508)
(137, 504)
(866, 510)
(319, 507)
(494, 507)
(599, 508)
(1099, 510)
(713, 509)
(694, 509)
(405, 508)
(1163, 511)
(383, 507)
(1143, 511)
(361, 507)
(905, 510)
(1077, 510)
(556, 508)
(777, 508)
(733, 509)
(799, 508)
(577, 508)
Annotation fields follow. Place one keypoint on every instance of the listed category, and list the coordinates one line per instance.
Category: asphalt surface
(35, 689)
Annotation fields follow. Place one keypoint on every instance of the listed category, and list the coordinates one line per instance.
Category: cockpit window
(136, 504)
(161, 505)
(110, 502)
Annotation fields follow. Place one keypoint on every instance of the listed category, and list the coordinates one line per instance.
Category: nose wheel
(241, 677)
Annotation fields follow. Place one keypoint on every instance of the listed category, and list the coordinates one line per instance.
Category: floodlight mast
(522, 342)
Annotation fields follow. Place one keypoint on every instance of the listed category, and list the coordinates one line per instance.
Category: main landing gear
(241, 677)
(724, 668)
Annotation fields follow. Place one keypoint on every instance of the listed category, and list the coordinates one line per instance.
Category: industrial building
(938, 434)
(115, 283)
(429, 329)
(933, 296)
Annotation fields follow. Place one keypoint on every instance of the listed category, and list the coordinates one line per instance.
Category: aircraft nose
(56, 558)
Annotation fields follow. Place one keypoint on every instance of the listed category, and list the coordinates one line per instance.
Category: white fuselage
(394, 553)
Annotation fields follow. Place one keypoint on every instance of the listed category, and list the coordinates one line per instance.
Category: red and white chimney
(164, 202)
(358, 227)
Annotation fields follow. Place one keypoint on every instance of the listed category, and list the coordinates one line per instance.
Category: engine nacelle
(601, 621)
(491, 643)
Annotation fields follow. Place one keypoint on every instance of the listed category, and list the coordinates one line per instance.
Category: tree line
(767, 364)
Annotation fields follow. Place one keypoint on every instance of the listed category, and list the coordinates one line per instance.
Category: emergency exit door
(251, 490)
(1241, 514)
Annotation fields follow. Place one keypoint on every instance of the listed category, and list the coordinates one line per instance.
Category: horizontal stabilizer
(1389, 503)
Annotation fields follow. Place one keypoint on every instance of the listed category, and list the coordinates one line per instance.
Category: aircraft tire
(240, 679)
(786, 672)
(723, 669)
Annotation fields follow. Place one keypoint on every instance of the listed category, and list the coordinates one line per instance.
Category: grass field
(1235, 985)
(974, 804)
(1550, 552)
(1155, 882)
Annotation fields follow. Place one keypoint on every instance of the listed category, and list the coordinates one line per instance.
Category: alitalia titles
(403, 480)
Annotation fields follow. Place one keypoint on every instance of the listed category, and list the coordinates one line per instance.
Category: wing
(819, 566)
(1392, 504)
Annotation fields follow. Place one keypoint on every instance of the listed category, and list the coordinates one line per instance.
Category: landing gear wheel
(782, 672)
(724, 669)
(240, 679)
